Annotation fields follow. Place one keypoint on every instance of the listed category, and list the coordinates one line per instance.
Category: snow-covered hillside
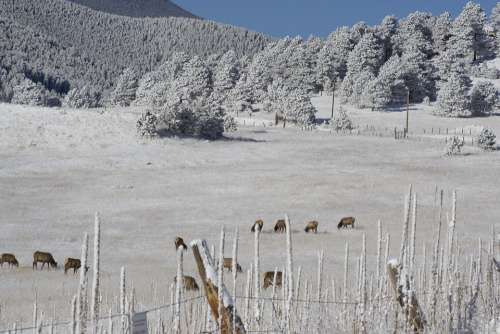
(137, 8)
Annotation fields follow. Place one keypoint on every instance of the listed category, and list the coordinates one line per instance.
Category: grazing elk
(10, 259)
(189, 283)
(345, 222)
(74, 264)
(280, 226)
(179, 242)
(259, 224)
(269, 279)
(45, 258)
(312, 226)
(228, 264)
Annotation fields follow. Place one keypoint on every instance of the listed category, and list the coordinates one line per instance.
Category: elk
(312, 226)
(345, 222)
(228, 264)
(259, 224)
(10, 259)
(43, 257)
(280, 226)
(74, 264)
(179, 242)
(189, 283)
(269, 279)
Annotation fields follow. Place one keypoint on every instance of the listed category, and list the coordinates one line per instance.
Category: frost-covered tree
(357, 31)
(341, 120)
(146, 124)
(84, 97)
(146, 88)
(362, 67)
(441, 32)
(418, 74)
(484, 97)
(225, 77)
(27, 92)
(195, 82)
(125, 89)
(386, 31)
(453, 99)
(242, 96)
(291, 105)
(333, 57)
(495, 23)
(414, 32)
(195, 119)
(487, 139)
(377, 94)
(468, 38)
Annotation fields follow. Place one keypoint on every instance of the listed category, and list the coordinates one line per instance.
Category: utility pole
(333, 98)
(407, 110)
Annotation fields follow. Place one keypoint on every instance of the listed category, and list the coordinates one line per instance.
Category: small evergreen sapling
(146, 125)
(341, 121)
(487, 139)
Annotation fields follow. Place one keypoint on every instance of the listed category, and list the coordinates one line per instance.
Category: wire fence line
(187, 300)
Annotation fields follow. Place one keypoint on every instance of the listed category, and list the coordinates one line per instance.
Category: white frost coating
(257, 274)
(178, 284)
(210, 272)
(96, 279)
(81, 310)
(220, 276)
(394, 263)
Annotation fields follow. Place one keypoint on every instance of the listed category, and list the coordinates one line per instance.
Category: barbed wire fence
(373, 301)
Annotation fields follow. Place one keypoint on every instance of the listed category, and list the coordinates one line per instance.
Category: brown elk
(345, 222)
(312, 226)
(189, 283)
(228, 264)
(45, 258)
(280, 226)
(179, 242)
(10, 259)
(269, 279)
(74, 264)
(259, 224)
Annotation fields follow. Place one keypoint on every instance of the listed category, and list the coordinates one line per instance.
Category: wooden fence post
(408, 303)
(208, 275)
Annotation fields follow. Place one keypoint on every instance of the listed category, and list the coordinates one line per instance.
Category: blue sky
(280, 18)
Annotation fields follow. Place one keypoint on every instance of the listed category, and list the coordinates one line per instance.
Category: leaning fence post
(208, 275)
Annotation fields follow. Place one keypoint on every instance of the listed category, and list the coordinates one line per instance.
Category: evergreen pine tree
(125, 89)
(453, 99)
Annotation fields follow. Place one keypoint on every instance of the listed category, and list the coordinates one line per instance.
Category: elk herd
(268, 276)
(44, 258)
(189, 282)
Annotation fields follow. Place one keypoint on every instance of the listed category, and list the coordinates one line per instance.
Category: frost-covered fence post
(289, 258)
(318, 293)
(35, 314)
(220, 276)
(414, 314)
(207, 271)
(235, 270)
(256, 276)
(73, 314)
(179, 281)
(403, 253)
(95, 281)
(81, 310)
(247, 294)
(123, 294)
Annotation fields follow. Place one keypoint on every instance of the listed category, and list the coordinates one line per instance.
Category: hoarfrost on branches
(487, 139)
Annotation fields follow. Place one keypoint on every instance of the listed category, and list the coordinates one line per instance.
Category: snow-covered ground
(57, 167)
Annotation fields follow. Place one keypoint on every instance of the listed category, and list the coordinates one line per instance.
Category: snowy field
(57, 167)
